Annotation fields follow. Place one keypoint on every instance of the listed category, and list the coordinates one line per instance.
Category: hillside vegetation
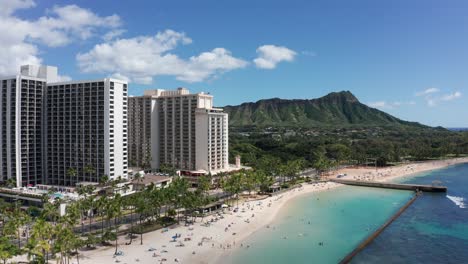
(335, 128)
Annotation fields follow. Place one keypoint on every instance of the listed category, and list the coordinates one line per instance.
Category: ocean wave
(459, 201)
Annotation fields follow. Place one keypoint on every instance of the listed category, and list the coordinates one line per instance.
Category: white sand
(219, 242)
(390, 173)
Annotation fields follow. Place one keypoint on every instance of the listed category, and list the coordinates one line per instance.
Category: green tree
(39, 245)
(103, 180)
(264, 180)
(7, 249)
(72, 173)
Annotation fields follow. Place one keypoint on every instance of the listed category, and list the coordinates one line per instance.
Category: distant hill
(336, 109)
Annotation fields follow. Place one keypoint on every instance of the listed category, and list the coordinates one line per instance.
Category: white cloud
(120, 77)
(450, 97)
(428, 91)
(9, 6)
(270, 55)
(142, 58)
(20, 39)
(378, 104)
(390, 105)
(64, 78)
(113, 34)
(432, 96)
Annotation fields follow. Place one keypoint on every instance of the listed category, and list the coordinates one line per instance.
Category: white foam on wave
(459, 201)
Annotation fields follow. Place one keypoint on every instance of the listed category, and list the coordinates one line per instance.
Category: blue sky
(408, 58)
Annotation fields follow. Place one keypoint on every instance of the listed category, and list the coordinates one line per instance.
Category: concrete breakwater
(397, 186)
(377, 232)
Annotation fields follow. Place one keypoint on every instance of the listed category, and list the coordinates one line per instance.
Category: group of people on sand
(247, 212)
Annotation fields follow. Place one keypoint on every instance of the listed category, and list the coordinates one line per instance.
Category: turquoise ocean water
(433, 230)
(324, 227)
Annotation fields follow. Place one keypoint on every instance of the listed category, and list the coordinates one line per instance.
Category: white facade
(48, 73)
(212, 132)
(187, 132)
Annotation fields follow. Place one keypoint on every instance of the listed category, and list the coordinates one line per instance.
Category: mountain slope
(334, 109)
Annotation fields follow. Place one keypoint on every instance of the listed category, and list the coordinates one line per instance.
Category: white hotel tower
(187, 132)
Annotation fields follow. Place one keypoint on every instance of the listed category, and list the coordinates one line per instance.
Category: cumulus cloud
(63, 78)
(142, 58)
(450, 97)
(433, 97)
(21, 38)
(270, 55)
(428, 91)
(113, 34)
(9, 6)
(378, 104)
(390, 105)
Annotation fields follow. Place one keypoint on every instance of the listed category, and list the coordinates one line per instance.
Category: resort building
(140, 109)
(86, 131)
(212, 138)
(21, 104)
(187, 132)
(61, 133)
(146, 180)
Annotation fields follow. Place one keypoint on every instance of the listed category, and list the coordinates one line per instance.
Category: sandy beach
(391, 173)
(199, 243)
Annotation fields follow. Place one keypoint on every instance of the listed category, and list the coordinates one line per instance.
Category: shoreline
(220, 238)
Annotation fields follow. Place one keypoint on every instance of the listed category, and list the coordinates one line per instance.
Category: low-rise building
(148, 179)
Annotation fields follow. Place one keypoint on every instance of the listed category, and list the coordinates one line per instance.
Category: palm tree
(157, 201)
(17, 220)
(204, 184)
(40, 242)
(76, 243)
(4, 208)
(180, 187)
(141, 204)
(129, 203)
(103, 180)
(11, 183)
(264, 180)
(64, 238)
(116, 211)
(249, 180)
(101, 203)
(72, 173)
(234, 185)
(88, 169)
(7, 249)
(51, 212)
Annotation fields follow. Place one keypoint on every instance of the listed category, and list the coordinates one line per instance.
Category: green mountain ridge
(337, 109)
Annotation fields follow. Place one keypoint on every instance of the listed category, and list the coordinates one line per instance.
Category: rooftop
(151, 178)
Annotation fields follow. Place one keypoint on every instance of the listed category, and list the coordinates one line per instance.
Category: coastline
(220, 239)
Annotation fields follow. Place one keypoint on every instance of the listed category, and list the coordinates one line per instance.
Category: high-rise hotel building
(61, 133)
(187, 132)
(140, 109)
(21, 134)
(86, 131)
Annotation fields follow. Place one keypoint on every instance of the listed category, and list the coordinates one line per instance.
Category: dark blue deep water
(433, 230)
